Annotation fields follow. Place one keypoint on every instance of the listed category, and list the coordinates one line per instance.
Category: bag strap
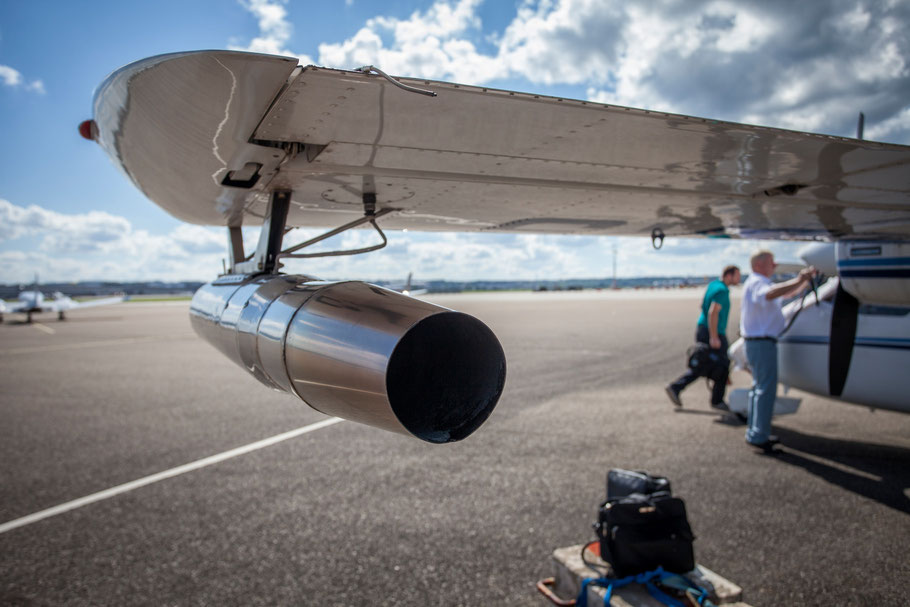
(696, 593)
(649, 580)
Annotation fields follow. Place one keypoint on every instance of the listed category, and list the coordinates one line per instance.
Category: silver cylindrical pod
(358, 351)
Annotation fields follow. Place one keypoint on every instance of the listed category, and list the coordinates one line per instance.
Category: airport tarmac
(350, 515)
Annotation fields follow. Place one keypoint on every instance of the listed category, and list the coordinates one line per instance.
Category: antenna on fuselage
(859, 126)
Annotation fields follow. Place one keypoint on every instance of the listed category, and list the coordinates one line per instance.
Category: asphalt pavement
(350, 515)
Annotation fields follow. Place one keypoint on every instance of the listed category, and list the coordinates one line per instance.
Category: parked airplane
(33, 302)
(407, 288)
(230, 138)
(866, 369)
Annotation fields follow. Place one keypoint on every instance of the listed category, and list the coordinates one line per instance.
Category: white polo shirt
(760, 317)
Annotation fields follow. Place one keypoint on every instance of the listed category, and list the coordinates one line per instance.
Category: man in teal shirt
(712, 330)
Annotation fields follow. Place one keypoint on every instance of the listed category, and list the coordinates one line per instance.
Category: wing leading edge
(207, 136)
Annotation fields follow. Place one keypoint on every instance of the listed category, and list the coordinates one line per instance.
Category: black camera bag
(704, 361)
(621, 483)
(641, 532)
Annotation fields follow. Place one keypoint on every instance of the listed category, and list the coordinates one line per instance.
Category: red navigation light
(88, 129)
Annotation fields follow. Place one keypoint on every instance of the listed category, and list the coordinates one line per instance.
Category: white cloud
(567, 42)
(802, 66)
(98, 245)
(10, 76)
(13, 78)
(431, 44)
(805, 66)
(92, 227)
(472, 256)
(570, 41)
(749, 31)
(275, 30)
(101, 246)
(899, 122)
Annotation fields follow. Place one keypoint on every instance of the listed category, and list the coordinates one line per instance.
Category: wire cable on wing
(366, 69)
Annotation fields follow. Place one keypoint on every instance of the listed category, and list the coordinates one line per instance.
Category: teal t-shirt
(717, 292)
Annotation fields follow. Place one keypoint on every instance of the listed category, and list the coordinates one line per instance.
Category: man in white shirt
(760, 324)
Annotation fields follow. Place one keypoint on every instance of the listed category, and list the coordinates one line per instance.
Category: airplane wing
(11, 307)
(102, 301)
(207, 135)
(229, 138)
(66, 304)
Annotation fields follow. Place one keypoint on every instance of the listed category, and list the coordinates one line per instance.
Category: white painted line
(97, 344)
(44, 328)
(160, 476)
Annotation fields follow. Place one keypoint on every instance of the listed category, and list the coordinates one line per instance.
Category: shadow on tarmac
(890, 464)
(723, 417)
(695, 411)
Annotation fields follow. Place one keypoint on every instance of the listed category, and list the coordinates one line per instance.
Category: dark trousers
(718, 374)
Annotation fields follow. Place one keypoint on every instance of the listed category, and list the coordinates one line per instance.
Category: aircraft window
(875, 310)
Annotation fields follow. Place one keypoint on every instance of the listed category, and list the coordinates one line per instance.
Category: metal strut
(281, 203)
(265, 259)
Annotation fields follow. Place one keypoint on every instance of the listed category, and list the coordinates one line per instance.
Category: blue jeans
(762, 355)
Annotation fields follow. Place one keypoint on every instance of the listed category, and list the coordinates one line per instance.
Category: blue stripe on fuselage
(882, 261)
(891, 343)
(895, 273)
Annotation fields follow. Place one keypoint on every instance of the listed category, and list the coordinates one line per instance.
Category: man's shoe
(674, 396)
(721, 406)
(768, 445)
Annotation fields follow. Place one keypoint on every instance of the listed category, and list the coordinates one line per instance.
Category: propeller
(843, 334)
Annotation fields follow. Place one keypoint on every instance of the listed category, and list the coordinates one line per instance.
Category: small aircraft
(230, 138)
(863, 370)
(33, 302)
(407, 288)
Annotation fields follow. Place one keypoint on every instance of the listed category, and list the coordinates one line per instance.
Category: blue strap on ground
(647, 579)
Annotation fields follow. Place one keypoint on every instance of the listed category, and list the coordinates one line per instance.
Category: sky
(67, 214)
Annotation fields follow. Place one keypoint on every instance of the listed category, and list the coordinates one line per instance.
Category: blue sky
(66, 213)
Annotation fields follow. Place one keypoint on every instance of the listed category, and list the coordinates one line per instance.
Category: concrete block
(570, 571)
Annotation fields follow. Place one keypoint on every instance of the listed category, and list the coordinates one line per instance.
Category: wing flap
(476, 158)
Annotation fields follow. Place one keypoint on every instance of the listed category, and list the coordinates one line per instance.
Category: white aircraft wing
(25, 305)
(13, 306)
(207, 135)
(230, 138)
(66, 304)
(103, 301)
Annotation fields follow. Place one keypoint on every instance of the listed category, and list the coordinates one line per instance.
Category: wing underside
(208, 135)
